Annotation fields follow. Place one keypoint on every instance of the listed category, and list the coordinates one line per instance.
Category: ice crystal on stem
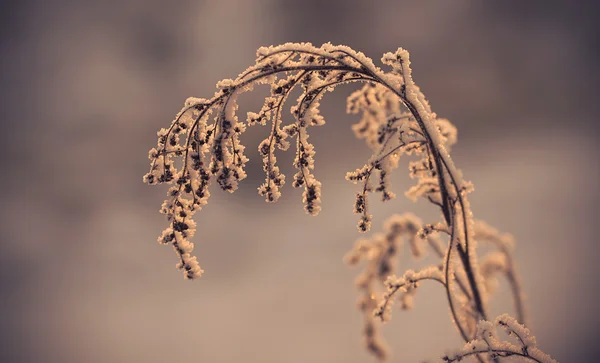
(204, 142)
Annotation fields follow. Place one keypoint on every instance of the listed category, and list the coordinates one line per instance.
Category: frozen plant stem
(397, 120)
(447, 202)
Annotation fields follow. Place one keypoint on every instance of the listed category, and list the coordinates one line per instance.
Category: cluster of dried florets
(487, 343)
(391, 131)
(204, 136)
(380, 287)
(379, 254)
(396, 119)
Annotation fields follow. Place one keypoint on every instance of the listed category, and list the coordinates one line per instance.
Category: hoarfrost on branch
(396, 120)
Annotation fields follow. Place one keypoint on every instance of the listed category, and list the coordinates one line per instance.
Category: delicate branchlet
(487, 343)
(407, 284)
(379, 255)
(501, 261)
(202, 145)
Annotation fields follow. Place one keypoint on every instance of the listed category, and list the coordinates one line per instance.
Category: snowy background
(85, 86)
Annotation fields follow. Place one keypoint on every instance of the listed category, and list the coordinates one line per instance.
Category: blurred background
(85, 85)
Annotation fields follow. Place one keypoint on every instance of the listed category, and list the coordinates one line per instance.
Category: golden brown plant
(396, 120)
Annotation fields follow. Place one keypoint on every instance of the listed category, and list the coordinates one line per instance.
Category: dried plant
(396, 119)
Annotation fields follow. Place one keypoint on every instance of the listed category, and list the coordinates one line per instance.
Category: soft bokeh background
(85, 86)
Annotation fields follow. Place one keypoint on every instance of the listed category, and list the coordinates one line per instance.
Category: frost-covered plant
(396, 119)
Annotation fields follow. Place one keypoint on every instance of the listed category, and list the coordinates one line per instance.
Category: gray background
(85, 86)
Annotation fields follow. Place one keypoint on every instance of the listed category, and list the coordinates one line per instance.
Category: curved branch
(391, 293)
